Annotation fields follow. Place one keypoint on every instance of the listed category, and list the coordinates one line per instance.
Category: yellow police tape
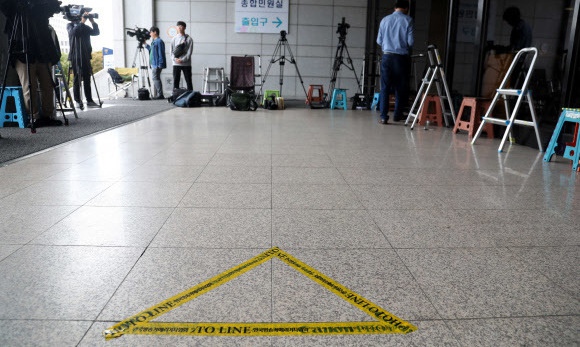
(385, 322)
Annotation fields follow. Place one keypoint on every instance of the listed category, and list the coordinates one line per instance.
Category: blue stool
(336, 101)
(376, 99)
(572, 150)
(16, 113)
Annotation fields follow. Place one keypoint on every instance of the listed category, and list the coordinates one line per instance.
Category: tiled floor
(474, 247)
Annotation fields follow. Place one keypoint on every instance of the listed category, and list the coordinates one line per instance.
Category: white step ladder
(213, 80)
(522, 93)
(434, 74)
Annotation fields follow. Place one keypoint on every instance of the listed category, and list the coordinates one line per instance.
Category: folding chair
(120, 84)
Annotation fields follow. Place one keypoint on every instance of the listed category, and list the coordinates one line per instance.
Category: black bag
(242, 102)
(188, 99)
(177, 92)
(270, 103)
(181, 49)
(143, 94)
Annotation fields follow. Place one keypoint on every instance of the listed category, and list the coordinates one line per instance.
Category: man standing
(157, 61)
(181, 50)
(79, 35)
(396, 38)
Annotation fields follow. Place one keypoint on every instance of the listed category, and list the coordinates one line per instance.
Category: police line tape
(385, 322)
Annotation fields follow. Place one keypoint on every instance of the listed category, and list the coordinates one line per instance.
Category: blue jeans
(156, 74)
(395, 69)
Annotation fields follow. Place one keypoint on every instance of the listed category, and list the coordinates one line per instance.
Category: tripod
(339, 57)
(143, 72)
(280, 51)
(21, 21)
(77, 66)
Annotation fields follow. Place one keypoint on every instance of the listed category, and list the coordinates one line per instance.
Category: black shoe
(384, 121)
(92, 104)
(53, 122)
(160, 97)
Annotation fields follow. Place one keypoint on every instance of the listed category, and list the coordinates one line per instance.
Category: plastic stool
(477, 105)
(376, 101)
(268, 93)
(431, 111)
(339, 99)
(315, 99)
(570, 152)
(16, 113)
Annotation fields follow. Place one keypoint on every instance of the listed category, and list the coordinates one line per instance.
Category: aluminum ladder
(434, 75)
(213, 80)
(521, 93)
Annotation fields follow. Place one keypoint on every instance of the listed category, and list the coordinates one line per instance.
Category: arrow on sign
(278, 20)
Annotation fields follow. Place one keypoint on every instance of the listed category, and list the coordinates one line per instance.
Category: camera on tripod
(46, 7)
(141, 34)
(75, 13)
(342, 27)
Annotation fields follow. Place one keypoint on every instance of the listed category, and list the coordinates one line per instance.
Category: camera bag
(143, 94)
(188, 99)
(242, 102)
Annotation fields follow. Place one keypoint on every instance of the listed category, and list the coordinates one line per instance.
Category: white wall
(311, 36)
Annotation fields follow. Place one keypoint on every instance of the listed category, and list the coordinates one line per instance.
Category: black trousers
(85, 75)
(186, 74)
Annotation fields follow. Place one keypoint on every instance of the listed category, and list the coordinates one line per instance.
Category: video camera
(75, 13)
(342, 27)
(141, 34)
(39, 7)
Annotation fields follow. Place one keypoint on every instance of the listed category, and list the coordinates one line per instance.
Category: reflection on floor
(471, 246)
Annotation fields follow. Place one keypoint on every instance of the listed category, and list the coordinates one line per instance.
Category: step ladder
(213, 80)
(522, 94)
(434, 75)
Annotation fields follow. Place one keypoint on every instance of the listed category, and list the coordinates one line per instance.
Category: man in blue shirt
(396, 38)
(157, 61)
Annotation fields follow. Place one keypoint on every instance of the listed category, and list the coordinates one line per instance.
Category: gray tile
(307, 175)
(535, 331)
(325, 229)
(180, 157)
(301, 196)
(6, 250)
(12, 185)
(429, 333)
(255, 149)
(487, 197)
(381, 176)
(378, 197)
(242, 159)
(100, 168)
(63, 283)
(162, 273)
(484, 283)
(301, 160)
(236, 174)
(164, 173)
(107, 226)
(21, 223)
(216, 228)
(56, 193)
(94, 337)
(27, 170)
(292, 149)
(228, 196)
(142, 194)
(42, 332)
(560, 264)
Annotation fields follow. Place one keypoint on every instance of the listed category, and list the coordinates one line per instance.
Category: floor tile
(228, 196)
(325, 229)
(163, 173)
(236, 174)
(63, 283)
(42, 332)
(301, 160)
(106, 226)
(375, 197)
(180, 157)
(216, 228)
(485, 283)
(306, 175)
(12, 185)
(241, 159)
(21, 223)
(142, 194)
(301, 196)
(6, 250)
(56, 193)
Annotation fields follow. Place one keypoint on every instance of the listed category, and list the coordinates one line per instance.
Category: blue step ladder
(572, 150)
(16, 113)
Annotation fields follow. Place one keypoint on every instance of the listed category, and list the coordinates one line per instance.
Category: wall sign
(261, 16)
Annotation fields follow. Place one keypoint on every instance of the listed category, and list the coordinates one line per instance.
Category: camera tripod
(21, 22)
(143, 72)
(280, 51)
(339, 58)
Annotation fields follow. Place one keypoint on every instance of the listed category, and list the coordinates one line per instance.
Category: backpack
(143, 94)
(188, 99)
(115, 77)
(243, 102)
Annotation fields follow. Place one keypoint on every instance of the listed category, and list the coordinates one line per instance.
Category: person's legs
(156, 74)
(187, 75)
(401, 69)
(44, 76)
(30, 94)
(87, 85)
(385, 86)
(176, 76)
